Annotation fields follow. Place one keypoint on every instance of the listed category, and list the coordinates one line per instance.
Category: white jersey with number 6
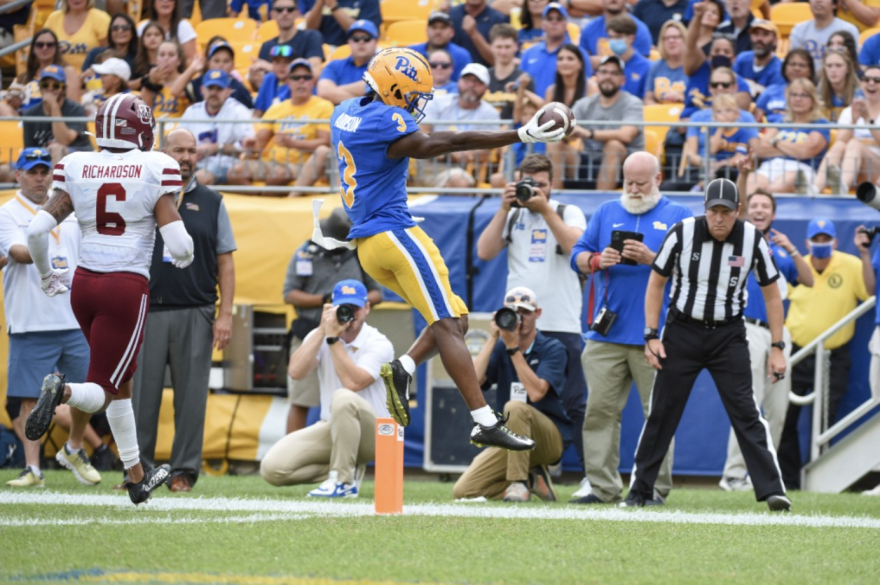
(114, 196)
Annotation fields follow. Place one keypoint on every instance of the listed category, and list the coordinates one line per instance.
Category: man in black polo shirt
(529, 370)
(181, 329)
(709, 259)
(306, 44)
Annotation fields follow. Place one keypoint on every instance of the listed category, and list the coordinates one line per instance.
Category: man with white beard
(615, 352)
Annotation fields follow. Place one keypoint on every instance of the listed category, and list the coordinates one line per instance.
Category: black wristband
(331, 340)
(512, 351)
(154, 87)
(328, 298)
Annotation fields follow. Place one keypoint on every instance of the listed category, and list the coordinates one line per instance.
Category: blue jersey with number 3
(373, 186)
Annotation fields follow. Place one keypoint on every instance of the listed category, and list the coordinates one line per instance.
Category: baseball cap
(820, 226)
(554, 6)
(521, 297)
(300, 63)
(765, 25)
(722, 192)
(53, 72)
(220, 47)
(216, 78)
(350, 292)
(363, 26)
(438, 16)
(31, 157)
(612, 59)
(477, 70)
(113, 66)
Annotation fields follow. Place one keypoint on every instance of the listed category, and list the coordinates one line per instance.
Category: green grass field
(240, 530)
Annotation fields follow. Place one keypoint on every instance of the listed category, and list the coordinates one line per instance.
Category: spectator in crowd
(275, 89)
(123, 44)
(570, 84)
(209, 8)
(115, 75)
(441, 66)
(772, 104)
(218, 145)
(666, 80)
(621, 34)
(840, 282)
(604, 147)
(8, 21)
(89, 30)
(760, 67)
(813, 35)
(169, 16)
(870, 51)
(147, 54)
(656, 13)
(701, 30)
(524, 108)
(163, 88)
(864, 14)
(613, 359)
(770, 394)
(337, 448)
(792, 155)
(539, 61)
(44, 335)
(505, 76)
(58, 137)
(253, 8)
(181, 330)
(843, 41)
(838, 83)
(305, 44)
(855, 155)
(342, 79)
(594, 36)
(738, 24)
(44, 51)
(543, 268)
(334, 18)
(308, 286)
(529, 370)
(13, 98)
(697, 94)
(293, 147)
(473, 20)
(455, 178)
(440, 33)
(531, 21)
(219, 56)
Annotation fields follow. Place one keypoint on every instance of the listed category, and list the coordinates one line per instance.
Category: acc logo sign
(403, 66)
(145, 114)
(386, 430)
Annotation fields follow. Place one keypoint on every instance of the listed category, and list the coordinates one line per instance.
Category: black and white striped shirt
(709, 277)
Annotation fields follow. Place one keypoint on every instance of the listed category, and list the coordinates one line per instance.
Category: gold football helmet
(402, 78)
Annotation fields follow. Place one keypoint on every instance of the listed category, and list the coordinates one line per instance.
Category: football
(559, 113)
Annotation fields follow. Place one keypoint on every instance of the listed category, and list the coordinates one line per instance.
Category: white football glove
(53, 282)
(183, 263)
(532, 132)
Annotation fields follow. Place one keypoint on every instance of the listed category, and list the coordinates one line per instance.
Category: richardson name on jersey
(112, 172)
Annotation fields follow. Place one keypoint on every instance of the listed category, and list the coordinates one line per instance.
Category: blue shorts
(34, 355)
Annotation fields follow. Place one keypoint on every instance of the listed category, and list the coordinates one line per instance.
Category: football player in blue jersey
(374, 137)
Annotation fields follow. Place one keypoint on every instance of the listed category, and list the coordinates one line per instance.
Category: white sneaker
(517, 491)
(331, 488)
(585, 490)
(736, 484)
(78, 463)
(873, 492)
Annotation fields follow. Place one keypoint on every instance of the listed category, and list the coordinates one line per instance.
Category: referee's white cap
(722, 192)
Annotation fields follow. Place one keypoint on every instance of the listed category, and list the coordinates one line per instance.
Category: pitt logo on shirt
(407, 69)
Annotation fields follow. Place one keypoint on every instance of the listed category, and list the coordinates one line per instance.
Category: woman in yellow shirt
(156, 88)
(79, 28)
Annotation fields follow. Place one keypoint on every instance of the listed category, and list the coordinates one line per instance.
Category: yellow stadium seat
(234, 30)
(245, 53)
(11, 141)
(662, 113)
(867, 34)
(653, 143)
(655, 55)
(782, 47)
(394, 10)
(404, 33)
(268, 30)
(789, 14)
(574, 32)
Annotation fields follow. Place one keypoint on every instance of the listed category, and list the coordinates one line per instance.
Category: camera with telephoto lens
(525, 189)
(344, 314)
(869, 194)
(507, 319)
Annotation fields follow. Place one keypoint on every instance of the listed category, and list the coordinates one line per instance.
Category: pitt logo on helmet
(401, 78)
(404, 67)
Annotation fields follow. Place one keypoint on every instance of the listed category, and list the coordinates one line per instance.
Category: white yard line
(273, 510)
(103, 521)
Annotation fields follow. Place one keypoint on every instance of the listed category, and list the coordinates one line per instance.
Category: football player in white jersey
(119, 194)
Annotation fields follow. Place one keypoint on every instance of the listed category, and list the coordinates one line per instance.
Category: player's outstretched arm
(177, 239)
(56, 210)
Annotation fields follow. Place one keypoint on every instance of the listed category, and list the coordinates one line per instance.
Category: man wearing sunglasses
(44, 336)
(306, 44)
(342, 79)
(440, 33)
(58, 137)
(333, 18)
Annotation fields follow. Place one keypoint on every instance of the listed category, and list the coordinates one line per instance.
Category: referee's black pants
(724, 351)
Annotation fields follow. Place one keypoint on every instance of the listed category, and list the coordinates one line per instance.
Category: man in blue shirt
(654, 13)
(771, 395)
(333, 18)
(621, 35)
(529, 370)
(760, 67)
(342, 79)
(539, 61)
(473, 19)
(614, 356)
(440, 33)
(594, 36)
(738, 23)
(870, 52)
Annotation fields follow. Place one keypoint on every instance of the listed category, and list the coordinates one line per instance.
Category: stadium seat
(655, 55)
(135, 9)
(787, 15)
(268, 30)
(234, 30)
(404, 33)
(782, 47)
(245, 53)
(867, 34)
(11, 141)
(662, 113)
(395, 10)
(653, 143)
(574, 32)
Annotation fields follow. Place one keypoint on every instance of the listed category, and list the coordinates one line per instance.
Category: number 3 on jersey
(347, 174)
(109, 223)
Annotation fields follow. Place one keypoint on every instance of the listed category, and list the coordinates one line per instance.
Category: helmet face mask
(125, 122)
(401, 78)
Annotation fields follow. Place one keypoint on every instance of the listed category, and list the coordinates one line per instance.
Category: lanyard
(56, 233)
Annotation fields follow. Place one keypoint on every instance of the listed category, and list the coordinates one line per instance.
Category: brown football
(559, 113)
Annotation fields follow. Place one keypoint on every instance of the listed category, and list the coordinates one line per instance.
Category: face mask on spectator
(617, 46)
(720, 61)
(821, 251)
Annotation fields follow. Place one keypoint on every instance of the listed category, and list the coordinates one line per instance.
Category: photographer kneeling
(348, 354)
(529, 370)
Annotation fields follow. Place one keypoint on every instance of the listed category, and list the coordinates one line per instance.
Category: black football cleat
(40, 418)
(498, 435)
(779, 503)
(397, 382)
(633, 500)
(153, 478)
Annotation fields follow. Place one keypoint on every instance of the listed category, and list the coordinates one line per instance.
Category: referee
(709, 259)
